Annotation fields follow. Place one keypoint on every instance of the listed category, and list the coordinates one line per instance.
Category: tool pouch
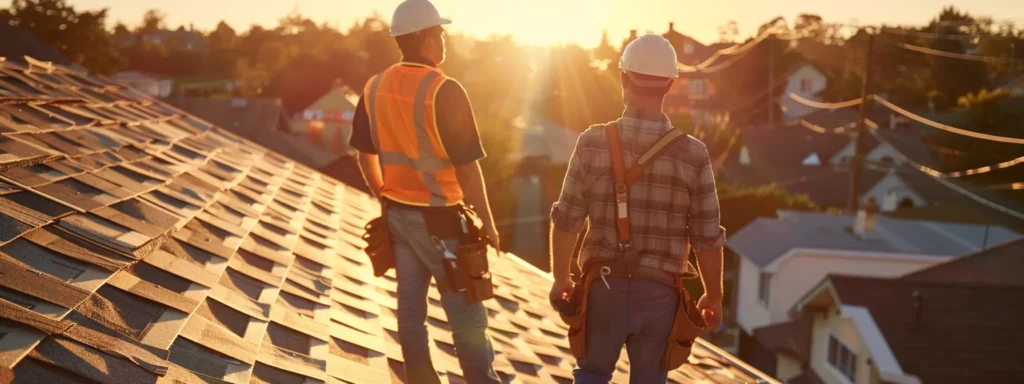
(578, 322)
(688, 325)
(378, 245)
(473, 262)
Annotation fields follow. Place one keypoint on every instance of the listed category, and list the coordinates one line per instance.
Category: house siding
(751, 313)
(802, 271)
(844, 330)
(818, 82)
(899, 190)
(787, 368)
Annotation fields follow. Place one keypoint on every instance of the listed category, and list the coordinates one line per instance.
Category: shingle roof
(261, 120)
(1000, 265)
(766, 239)
(140, 244)
(957, 326)
(791, 337)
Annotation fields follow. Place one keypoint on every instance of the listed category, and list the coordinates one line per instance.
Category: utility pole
(771, 84)
(862, 129)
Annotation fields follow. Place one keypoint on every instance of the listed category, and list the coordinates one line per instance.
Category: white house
(806, 81)
(782, 259)
(151, 84)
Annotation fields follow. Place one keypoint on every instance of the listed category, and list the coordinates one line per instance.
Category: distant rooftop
(766, 239)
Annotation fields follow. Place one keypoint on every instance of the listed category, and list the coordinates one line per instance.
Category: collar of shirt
(419, 60)
(646, 114)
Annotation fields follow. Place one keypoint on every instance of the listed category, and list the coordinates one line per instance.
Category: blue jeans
(416, 261)
(638, 314)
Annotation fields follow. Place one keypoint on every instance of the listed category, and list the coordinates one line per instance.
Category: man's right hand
(711, 309)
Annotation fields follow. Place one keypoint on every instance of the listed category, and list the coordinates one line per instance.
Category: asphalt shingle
(141, 244)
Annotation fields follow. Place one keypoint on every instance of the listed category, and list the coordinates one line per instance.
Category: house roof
(791, 337)
(767, 239)
(139, 241)
(1001, 265)
(261, 120)
(777, 155)
(17, 44)
(953, 325)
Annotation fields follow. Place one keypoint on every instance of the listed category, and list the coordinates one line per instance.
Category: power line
(944, 36)
(944, 127)
(817, 128)
(943, 181)
(1007, 187)
(952, 175)
(822, 105)
(951, 55)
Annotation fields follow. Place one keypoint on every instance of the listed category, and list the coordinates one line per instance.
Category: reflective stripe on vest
(415, 166)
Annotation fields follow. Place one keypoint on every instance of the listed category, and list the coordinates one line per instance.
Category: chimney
(671, 26)
(191, 27)
(632, 34)
(867, 218)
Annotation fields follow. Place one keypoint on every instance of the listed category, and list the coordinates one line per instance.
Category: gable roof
(791, 337)
(1001, 265)
(767, 239)
(17, 44)
(951, 326)
(141, 244)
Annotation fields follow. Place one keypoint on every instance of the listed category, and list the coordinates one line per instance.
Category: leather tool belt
(466, 269)
(378, 243)
(688, 324)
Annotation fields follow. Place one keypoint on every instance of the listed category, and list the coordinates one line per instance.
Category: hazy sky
(552, 21)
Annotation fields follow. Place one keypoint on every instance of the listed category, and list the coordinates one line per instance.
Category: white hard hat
(650, 55)
(414, 16)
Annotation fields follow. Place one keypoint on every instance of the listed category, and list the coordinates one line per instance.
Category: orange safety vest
(400, 103)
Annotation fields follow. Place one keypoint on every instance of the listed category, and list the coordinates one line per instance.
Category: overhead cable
(737, 51)
(943, 181)
(951, 55)
(1008, 187)
(822, 105)
(956, 174)
(820, 129)
(944, 127)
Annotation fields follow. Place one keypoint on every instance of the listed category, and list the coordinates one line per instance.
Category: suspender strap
(624, 179)
(621, 189)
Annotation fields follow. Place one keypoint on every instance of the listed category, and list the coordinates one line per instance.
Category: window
(842, 358)
(805, 85)
(697, 87)
(764, 289)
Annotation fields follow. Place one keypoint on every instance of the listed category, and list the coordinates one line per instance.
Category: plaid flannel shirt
(673, 205)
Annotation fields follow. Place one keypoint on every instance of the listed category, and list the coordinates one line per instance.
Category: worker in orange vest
(419, 151)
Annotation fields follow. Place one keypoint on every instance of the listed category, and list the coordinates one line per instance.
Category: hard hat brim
(440, 21)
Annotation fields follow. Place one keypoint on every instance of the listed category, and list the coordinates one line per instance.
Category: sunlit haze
(546, 22)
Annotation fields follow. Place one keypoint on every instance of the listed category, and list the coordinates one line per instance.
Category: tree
(729, 33)
(223, 36)
(605, 54)
(273, 56)
(152, 22)
(777, 24)
(955, 77)
(79, 36)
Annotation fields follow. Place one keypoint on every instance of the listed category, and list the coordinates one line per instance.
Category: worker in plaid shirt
(673, 206)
